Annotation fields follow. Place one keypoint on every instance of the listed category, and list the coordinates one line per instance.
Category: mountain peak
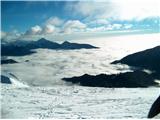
(42, 39)
(66, 42)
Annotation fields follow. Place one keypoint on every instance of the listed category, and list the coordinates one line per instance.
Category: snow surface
(76, 102)
(39, 91)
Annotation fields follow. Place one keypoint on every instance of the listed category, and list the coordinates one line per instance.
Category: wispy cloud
(54, 21)
(73, 26)
(116, 9)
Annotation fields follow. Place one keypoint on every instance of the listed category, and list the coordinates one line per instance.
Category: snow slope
(76, 102)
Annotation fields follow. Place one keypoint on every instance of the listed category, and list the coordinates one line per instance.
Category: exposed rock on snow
(13, 80)
(8, 61)
(5, 80)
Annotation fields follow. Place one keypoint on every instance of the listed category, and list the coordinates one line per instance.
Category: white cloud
(98, 22)
(89, 9)
(48, 29)
(128, 26)
(34, 30)
(97, 16)
(3, 34)
(73, 26)
(37, 30)
(55, 25)
(109, 27)
(96, 29)
(117, 9)
(105, 28)
(137, 9)
(102, 21)
(54, 21)
(114, 27)
(10, 36)
(50, 26)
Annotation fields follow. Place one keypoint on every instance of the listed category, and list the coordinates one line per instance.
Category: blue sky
(23, 15)
(22, 18)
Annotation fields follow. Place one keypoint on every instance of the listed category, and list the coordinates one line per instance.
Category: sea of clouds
(48, 67)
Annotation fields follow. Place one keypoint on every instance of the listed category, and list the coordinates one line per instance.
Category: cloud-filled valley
(50, 66)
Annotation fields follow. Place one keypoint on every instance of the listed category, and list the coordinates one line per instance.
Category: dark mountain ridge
(20, 48)
(8, 61)
(147, 59)
(129, 80)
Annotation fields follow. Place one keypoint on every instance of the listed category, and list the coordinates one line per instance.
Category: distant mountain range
(20, 48)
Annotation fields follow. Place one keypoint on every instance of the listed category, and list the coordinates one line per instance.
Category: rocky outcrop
(5, 80)
(155, 109)
(147, 59)
(128, 80)
(8, 61)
